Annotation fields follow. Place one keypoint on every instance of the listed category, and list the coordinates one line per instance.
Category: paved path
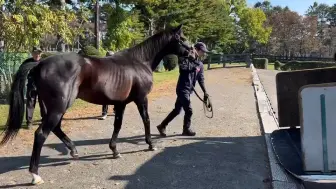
(228, 152)
(267, 78)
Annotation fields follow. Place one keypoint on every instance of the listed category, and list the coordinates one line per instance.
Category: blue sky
(299, 6)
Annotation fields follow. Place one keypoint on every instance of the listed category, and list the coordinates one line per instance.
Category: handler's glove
(206, 96)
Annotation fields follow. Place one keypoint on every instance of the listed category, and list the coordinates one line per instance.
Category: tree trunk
(97, 25)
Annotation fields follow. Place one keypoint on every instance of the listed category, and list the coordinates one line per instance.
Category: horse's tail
(16, 102)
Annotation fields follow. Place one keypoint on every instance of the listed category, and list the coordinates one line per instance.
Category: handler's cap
(201, 46)
(37, 49)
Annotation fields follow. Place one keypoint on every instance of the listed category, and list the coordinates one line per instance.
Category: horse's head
(177, 43)
(156, 47)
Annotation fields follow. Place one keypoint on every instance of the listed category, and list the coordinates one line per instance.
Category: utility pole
(97, 24)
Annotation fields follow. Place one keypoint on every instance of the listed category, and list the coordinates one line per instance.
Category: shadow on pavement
(209, 162)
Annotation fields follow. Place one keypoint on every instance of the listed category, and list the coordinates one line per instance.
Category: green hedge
(170, 62)
(213, 58)
(301, 65)
(47, 54)
(260, 63)
(278, 65)
(92, 51)
(88, 50)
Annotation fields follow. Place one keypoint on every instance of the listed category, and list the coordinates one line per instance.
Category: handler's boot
(186, 124)
(103, 117)
(188, 132)
(162, 130)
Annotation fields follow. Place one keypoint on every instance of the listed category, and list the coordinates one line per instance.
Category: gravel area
(228, 152)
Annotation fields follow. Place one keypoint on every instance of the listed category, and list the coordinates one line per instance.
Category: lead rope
(207, 105)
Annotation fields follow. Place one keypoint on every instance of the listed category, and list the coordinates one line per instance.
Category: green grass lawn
(270, 66)
(220, 65)
(160, 77)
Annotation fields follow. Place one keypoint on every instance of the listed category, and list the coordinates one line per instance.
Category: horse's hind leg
(49, 123)
(143, 110)
(119, 114)
(66, 140)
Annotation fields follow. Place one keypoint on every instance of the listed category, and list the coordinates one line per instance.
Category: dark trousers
(105, 109)
(30, 105)
(182, 101)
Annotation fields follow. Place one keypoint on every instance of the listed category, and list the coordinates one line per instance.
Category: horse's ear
(178, 29)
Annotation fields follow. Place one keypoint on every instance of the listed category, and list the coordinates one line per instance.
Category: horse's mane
(143, 50)
(150, 46)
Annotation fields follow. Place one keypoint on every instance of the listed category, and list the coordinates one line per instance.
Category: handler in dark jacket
(191, 69)
(31, 94)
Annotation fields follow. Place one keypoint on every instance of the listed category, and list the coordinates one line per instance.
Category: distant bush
(170, 62)
(92, 51)
(277, 65)
(261, 63)
(302, 65)
(47, 54)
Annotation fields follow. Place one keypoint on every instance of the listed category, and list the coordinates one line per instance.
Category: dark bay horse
(126, 76)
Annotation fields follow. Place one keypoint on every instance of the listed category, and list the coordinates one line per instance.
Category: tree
(325, 32)
(265, 6)
(219, 31)
(252, 27)
(123, 27)
(332, 16)
(28, 23)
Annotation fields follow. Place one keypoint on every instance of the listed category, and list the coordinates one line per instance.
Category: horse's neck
(151, 52)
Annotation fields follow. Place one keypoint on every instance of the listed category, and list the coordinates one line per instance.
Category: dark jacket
(30, 84)
(190, 71)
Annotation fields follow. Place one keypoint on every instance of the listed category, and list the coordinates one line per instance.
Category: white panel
(311, 135)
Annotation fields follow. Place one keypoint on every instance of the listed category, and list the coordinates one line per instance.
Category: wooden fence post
(248, 60)
(209, 61)
(224, 61)
(1, 84)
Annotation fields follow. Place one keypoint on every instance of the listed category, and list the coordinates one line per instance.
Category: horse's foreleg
(66, 140)
(119, 114)
(50, 121)
(143, 110)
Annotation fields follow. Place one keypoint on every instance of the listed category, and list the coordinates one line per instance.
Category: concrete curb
(280, 179)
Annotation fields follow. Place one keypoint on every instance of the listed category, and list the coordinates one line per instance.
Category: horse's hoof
(37, 180)
(151, 148)
(74, 155)
(116, 155)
